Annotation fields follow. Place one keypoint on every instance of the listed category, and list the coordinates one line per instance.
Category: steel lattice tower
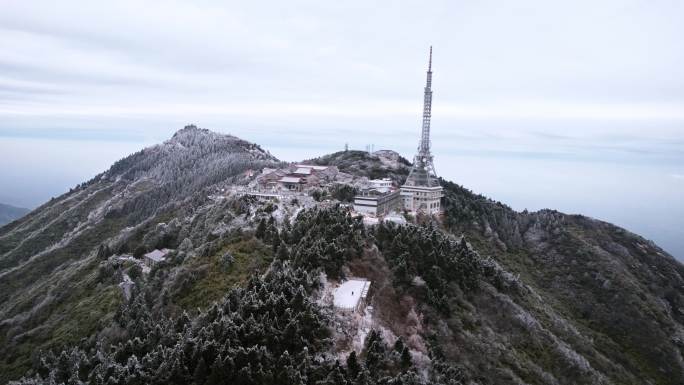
(423, 170)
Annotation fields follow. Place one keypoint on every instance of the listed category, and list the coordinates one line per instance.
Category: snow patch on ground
(370, 221)
(365, 324)
(326, 295)
(127, 257)
(396, 218)
(126, 286)
(350, 329)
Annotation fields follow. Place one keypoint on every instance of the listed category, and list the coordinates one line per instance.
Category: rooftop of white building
(349, 294)
(317, 168)
(157, 255)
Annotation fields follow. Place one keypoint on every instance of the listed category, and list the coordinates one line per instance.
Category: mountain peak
(556, 297)
(192, 130)
(192, 135)
(195, 155)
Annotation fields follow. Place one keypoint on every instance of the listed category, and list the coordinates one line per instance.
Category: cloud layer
(69, 63)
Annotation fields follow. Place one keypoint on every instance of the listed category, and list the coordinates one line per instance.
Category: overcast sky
(75, 66)
(597, 83)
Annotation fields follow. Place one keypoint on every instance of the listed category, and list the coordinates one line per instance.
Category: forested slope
(617, 296)
(482, 295)
(52, 289)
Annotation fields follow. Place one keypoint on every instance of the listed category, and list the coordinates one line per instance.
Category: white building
(426, 200)
(155, 256)
(351, 295)
(377, 203)
(384, 184)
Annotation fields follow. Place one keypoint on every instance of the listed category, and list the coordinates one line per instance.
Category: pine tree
(399, 345)
(103, 252)
(274, 240)
(283, 253)
(406, 361)
(217, 374)
(62, 371)
(335, 377)
(261, 229)
(353, 366)
(201, 372)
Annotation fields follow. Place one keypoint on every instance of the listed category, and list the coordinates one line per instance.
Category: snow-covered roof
(396, 218)
(349, 294)
(290, 179)
(303, 171)
(370, 221)
(272, 171)
(374, 192)
(317, 168)
(157, 255)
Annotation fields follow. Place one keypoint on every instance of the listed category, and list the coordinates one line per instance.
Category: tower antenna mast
(423, 170)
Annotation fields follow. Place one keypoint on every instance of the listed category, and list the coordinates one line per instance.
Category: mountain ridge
(552, 298)
(9, 213)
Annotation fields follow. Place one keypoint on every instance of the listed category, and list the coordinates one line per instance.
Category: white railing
(280, 194)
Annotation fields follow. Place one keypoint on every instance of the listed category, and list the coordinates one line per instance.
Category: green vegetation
(361, 163)
(481, 295)
(437, 259)
(270, 332)
(325, 238)
(84, 308)
(250, 257)
(344, 192)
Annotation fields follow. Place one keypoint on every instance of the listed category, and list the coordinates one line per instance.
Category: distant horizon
(547, 181)
(528, 108)
(525, 195)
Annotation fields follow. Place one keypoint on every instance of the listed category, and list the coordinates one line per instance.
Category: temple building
(298, 177)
